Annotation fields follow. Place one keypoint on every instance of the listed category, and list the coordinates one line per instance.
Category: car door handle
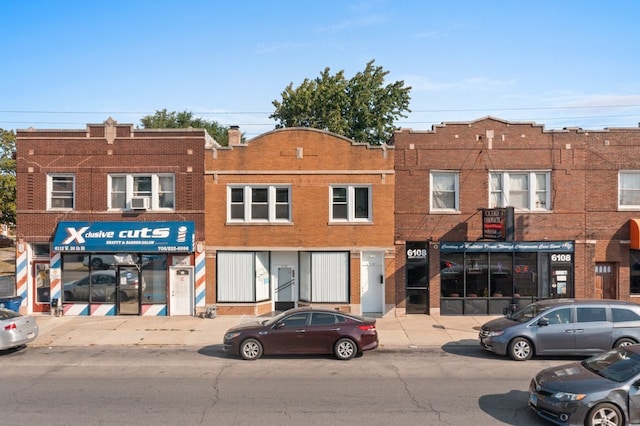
(568, 331)
(301, 331)
(578, 330)
(335, 329)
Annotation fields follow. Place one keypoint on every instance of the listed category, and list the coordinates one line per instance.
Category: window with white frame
(155, 191)
(629, 190)
(61, 191)
(524, 190)
(259, 203)
(324, 277)
(243, 277)
(350, 203)
(444, 188)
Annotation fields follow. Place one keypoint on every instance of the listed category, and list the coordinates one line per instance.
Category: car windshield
(618, 365)
(529, 312)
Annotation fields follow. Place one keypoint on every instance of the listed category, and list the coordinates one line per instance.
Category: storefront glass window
(154, 276)
(452, 274)
(476, 275)
(501, 274)
(634, 264)
(525, 274)
(76, 280)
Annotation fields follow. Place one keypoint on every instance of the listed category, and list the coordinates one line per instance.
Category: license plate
(533, 400)
(30, 335)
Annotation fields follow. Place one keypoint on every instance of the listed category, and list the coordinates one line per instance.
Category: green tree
(362, 108)
(7, 177)
(182, 120)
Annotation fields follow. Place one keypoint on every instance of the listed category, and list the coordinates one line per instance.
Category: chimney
(235, 136)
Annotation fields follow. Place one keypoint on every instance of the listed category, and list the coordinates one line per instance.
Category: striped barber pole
(200, 279)
(22, 274)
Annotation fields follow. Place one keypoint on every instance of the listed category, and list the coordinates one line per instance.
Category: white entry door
(372, 282)
(181, 290)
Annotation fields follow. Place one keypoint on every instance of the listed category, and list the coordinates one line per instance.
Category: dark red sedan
(304, 331)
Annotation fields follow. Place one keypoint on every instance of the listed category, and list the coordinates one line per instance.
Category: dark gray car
(601, 390)
(563, 327)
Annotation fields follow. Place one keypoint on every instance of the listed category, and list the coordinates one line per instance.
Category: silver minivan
(563, 327)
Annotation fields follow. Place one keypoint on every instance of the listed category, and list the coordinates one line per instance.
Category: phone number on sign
(173, 248)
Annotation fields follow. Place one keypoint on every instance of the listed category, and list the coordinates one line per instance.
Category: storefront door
(372, 282)
(43, 287)
(285, 288)
(127, 292)
(181, 287)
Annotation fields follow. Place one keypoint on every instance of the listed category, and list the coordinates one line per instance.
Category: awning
(634, 231)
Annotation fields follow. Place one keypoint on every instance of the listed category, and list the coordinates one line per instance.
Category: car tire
(345, 349)
(605, 413)
(520, 349)
(250, 349)
(96, 263)
(122, 294)
(624, 342)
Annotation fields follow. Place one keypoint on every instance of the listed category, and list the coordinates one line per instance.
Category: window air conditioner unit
(139, 203)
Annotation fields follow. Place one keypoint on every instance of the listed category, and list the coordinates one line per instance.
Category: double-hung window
(629, 190)
(350, 203)
(61, 192)
(524, 190)
(152, 191)
(259, 203)
(444, 191)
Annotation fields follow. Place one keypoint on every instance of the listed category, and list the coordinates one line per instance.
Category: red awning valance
(634, 231)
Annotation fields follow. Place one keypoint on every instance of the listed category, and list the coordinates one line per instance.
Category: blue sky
(560, 63)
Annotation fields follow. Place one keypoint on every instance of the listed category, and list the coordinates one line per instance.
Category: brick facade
(310, 161)
(90, 156)
(584, 167)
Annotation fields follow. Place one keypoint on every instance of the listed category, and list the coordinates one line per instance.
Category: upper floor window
(524, 190)
(629, 192)
(259, 203)
(134, 191)
(350, 203)
(444, 188)
(61, 191)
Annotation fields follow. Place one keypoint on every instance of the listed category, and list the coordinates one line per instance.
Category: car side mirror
(278, 325)
(543, 322)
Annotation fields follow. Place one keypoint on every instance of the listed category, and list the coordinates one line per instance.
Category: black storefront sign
(498, 224)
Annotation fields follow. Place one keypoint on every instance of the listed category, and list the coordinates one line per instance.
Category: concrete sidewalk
(409, 332)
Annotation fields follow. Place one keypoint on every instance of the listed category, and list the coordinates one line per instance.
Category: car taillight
(11, 326)
(367, 327)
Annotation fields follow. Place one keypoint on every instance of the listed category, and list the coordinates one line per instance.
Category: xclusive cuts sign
(124, 236)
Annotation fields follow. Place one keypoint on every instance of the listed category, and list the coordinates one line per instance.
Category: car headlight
(495, 333)
(232, 335)
(566, 396)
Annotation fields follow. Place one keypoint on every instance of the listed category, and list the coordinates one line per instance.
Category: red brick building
(300, 217)
(491, 212)
(110, 219)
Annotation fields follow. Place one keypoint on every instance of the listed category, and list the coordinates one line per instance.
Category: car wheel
(605, 414)
(112, 296)
(520, 349)
(345, 349)
(624, 342)
(251, 349)
(96, 263)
